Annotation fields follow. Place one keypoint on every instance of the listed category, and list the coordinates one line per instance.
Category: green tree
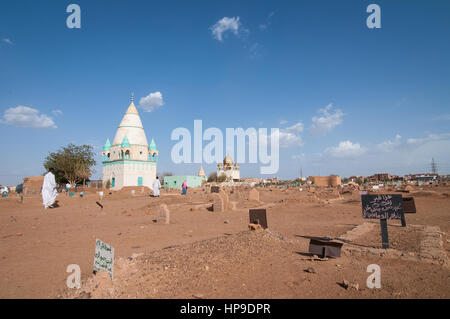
(221, 178)
(212, 177)
(72, 163)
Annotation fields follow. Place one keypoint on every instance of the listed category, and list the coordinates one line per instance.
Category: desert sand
(203, 253)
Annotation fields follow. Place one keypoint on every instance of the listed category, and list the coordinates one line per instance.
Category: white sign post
(104, 257)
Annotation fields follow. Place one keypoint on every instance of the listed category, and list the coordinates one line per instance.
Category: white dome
(131, 126)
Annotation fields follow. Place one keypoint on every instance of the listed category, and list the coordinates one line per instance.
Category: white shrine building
(129, 160)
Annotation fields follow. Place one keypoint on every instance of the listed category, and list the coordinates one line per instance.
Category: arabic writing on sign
(104, 257)
(385, 206)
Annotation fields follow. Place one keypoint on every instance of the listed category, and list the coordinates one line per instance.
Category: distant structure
(201, 173)
(433, 166)
(228, 169)
(177, 181)
(129, 160)
(325, 181)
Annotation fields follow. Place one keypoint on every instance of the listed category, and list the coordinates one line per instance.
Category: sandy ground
(206, 254)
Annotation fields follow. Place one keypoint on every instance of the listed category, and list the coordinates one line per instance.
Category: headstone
(215, 189)
(253, 195)
(258, 216)
(408, 205)
(218, 204)
(104, 257)
(325, 248)
(225, 199)
(163, 215)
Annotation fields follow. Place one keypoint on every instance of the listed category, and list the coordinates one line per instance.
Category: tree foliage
(212, 177)
(73, 164)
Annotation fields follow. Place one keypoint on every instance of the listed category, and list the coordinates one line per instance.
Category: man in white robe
(49, 191)
(156, 187)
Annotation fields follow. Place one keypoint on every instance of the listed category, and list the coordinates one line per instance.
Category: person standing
(156, 187)
(49, 191)
(184, 187)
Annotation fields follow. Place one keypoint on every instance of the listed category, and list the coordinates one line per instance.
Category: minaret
(129, 160)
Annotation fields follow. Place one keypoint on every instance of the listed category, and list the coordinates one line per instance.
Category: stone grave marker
(104, 258)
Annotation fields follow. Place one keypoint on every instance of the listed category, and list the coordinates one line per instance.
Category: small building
(325, 181)
(201, 173)
(129, 160)
(177, 181)
(228, 169)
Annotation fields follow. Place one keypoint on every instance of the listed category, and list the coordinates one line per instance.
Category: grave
(104, 258)
(215, 189)
(325, 247)
(163, 214)
(218, 203)
(259, 217)
(253, 195)
(383, 207)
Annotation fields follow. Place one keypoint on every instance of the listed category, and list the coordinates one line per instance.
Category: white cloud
(57, 112)
(288, 139)
(429, 138)
(388, 146)
(23, 116)
(345, 149)
(225, 24)
(6, 40)
(151, 101)
(290, 136)
(282, 122)
(264, 26)
(325, 123)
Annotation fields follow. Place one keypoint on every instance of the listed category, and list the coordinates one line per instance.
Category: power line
(433, 166)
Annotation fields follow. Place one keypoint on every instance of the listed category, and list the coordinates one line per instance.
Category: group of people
(49, 191)
(157, 187)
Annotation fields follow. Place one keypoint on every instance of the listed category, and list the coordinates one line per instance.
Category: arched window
(127, 154)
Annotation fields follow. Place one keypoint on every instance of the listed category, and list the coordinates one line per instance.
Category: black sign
(408, 205)
(258, 216)
(383, 206)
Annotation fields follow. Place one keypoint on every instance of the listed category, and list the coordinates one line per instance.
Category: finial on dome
(132, 97)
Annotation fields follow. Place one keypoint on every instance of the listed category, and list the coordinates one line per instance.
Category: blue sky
(348, 100)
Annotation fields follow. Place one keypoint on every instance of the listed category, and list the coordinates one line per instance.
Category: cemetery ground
(205, 253)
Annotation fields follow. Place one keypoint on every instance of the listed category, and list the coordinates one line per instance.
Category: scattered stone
(254, 226)
(198, 296)
(19, 234)
(311, 270)
(350, 285)
(226, 222)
